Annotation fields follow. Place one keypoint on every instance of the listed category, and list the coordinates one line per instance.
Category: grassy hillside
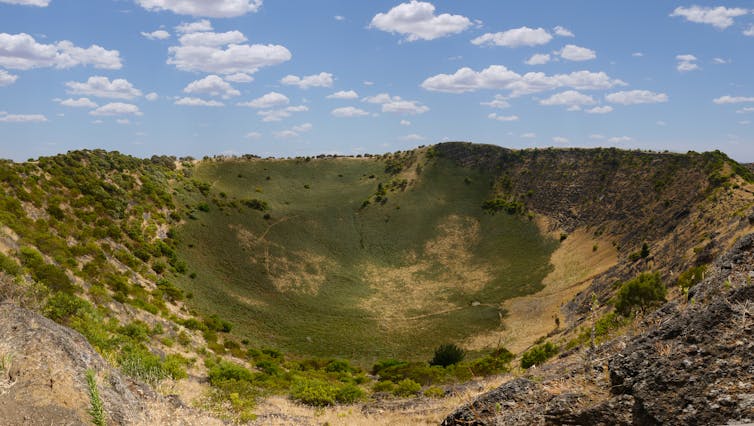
(326, 274)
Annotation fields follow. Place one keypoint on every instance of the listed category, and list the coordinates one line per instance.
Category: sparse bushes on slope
(639, 294)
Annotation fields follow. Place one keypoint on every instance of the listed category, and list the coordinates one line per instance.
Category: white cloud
(417, 21)
(516, 37)
(661, 123)
(21, 118)
(721, 61)
(720, 17)
(749, 31)
(270, 100)
(596, 136)
(253, 135)
(744, 122)
(494, 116)
(686, 63)
(339, 18)
(413, 137)
(38, 3)
(212, 39)
(116, 108)
(562, 31)
(560, 140)
(570, 98)
(347, 112)
(620, 139)
(323, 79)
(577, 53)
(528, 135)
(280, 114)
(538, 59)
(600, 110)
(350, 94)
(21, 51)
(294, 132)
(102, 87)
(637, 54)
(151, 97)
(210, 9)
(396, 104)
(77, 103)
(156, 35)
(498, 77)
(212, 85)
(405, 123)
(498, 102)
(188, 101)
(221, 53)
(239, 78)
(193, 27)
(635, 97)
(123, 121)
(745, 110)
(6, 78)
(727, 99)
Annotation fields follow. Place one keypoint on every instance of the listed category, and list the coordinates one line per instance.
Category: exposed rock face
(43, 379)
(694, 365)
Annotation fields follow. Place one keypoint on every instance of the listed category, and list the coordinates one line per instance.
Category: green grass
(97, 410)
(321, 236)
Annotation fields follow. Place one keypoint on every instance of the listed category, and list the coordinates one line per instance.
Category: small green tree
(538, 354)
(639, 294)
(644, 251)
(447, 354)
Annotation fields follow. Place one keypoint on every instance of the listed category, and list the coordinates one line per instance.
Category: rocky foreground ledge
(692, 364)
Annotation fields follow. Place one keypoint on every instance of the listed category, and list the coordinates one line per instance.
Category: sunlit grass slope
(326, 275)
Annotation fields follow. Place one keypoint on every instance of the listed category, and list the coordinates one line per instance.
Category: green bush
(691, 277)
(384, 386)
(447, 354)
(314, 392)
(9, 265)
(225, 370)
(495, 363)
(640, 293)
(538, 354)
(407, 387)
(434, 392)
(349, 393)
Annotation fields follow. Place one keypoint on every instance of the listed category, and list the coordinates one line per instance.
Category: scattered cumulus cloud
(23, 52)
(348, 112)
(151, 97)
(77, 103)
(496, 117)
(21, 118)
(538, 59)
(6, 78)
(293, 132)
(560, 140)
(413, 138)
(269, 100)
(396, 104)
(719, 17)
(123, 121)
(620, 139)
(635, 97)
(416, 20)
(516, 37)
(156, 35)
(323, 79)
(102, 87)
(528, 135)
(253, 135)
(575, 53)
(562, 32)
(204, 8)
(343, 94)
(212, 85)
(37, 3)
(749, 32)
(637, 54)
(498, 77)
(570, 98)
(279, 114)
(745, 110)
(498, 102)
(686, 63)
(189, 101)
(727, 99)
(605, 109)
(202, 50)
(239, 78)
(339, 18)
(116, 108)
(405, 123)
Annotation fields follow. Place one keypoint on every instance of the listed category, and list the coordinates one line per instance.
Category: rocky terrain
(689, 363)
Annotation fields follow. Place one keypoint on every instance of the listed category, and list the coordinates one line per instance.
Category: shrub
(691, 277)
(384, 386)
(434, 392)
(447, 354)
(349, 394)
(96, 409)
(495, 363)
(407, 387)
(538, 354)
(9, 265)
(314, 392)
(640, 293)
(256, 204)
(225, 370)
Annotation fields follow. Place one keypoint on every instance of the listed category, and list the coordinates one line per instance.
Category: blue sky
(302, 77)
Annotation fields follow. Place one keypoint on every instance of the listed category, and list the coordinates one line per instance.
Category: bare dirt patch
(576, 263)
